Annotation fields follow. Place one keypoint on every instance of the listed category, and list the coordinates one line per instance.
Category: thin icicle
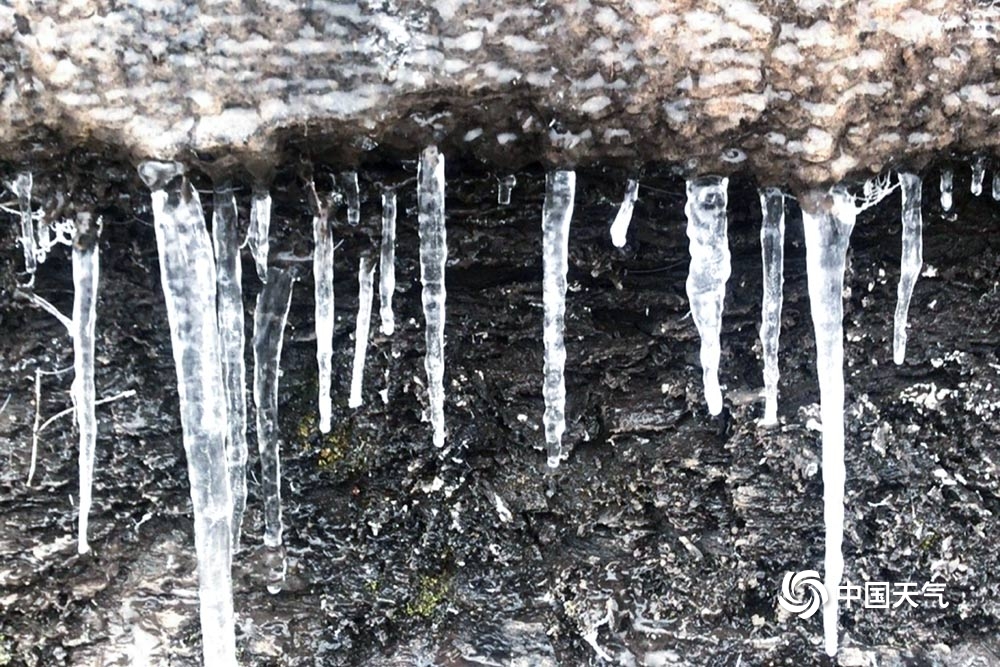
(557, 213)
(978, 173)
(225, 240)
(433, 257)
(507, 184)
(996, 186)
(260, 230)
(828, 219)
(269, 318)
(387, 262)
(22, 188)
(772, 251)
(619, 228)
(366, 279)
(323, 285)
(911, 260)
(947, 184)
(86, 273)
(187, 272)
(352, 195)
(707, 276)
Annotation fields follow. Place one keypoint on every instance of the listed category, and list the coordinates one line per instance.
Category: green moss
(431, 592)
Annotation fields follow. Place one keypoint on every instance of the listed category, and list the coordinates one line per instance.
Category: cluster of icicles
(202, 285)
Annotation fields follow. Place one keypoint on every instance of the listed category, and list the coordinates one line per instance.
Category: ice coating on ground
(557, 213)
(433, 257)
(366, 279)
(187, 273)
(911, 259)
(708, 273)
(772, 250)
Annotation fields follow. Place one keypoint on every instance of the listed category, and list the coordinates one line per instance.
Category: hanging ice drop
(978, 173)
(947, 179)
(619, 228)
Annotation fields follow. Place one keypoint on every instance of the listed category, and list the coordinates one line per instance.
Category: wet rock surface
(663, 538)
(803, 93)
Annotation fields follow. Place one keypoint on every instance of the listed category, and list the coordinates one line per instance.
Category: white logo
(802, 593)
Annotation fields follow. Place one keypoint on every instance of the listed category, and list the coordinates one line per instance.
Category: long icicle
(772, 251)
(910, 262)
(270, 316)
(366, 279)
(708, 274)
(22, 188)
(557, 213)
(387, 262)
(86, 274)
(619, 228)
(260, 230)
(828, 219)
(229, 273)
(433, 257)
(187, 272)
(323, 285)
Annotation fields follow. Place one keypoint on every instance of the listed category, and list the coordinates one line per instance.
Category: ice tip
(157, 174)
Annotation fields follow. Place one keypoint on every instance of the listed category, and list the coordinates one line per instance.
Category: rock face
(799, 93)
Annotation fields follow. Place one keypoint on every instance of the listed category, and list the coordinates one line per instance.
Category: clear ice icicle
(323, 286)
(828, 219)
(557, 213)
(387, 262)
(229, 274)
(366, 279)
(947, 184)
(911, 259)
(433, 257)
(507, 184)
(619, 228)
(352, 195)
(22, 188)
(86, 272)
(708, 273)
(772, 251)
(269, 318)
(260, 230)
(187, 272)
(978, 173)
(996, 186)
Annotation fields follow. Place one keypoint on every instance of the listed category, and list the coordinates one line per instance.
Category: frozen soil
(662, 539)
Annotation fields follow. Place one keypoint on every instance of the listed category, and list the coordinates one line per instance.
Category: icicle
(619, 228)
(22, 188)
(910, 262)
(366, 277)
(225, 239)
(187, 273)
(827, 219)
(947, 178)
(323, 284)
(557, 212)
(260, 231)
(772, 251)
(387, 262)
(507, 184)
(433, 257)
(978, 173)
(269, 318)
(86, 272)
(996, 186)
(707, 276)
(352, 195)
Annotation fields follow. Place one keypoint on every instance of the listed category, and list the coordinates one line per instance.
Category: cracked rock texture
(799, 93)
